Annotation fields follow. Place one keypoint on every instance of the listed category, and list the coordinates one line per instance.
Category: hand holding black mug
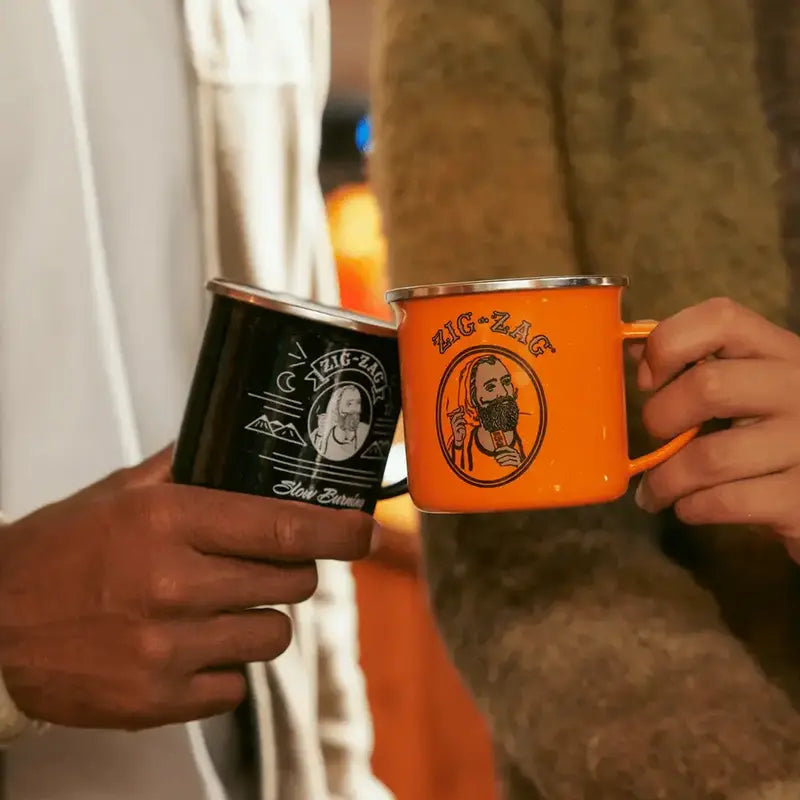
(132, 604)
(128, 605)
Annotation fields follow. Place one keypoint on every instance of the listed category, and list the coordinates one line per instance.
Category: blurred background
(431, 744)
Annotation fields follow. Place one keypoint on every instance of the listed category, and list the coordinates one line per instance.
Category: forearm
(603, 669)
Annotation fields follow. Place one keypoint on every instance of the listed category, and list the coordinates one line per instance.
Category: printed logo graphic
(340, 421)
(491, 415)
(322, 424)
(275, 428)
(378, 451)
(334, 396)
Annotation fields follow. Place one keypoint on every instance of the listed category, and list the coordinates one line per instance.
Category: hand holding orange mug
(513, 393)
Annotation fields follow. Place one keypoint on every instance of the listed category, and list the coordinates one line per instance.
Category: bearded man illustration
(484, 424)
(340, 431)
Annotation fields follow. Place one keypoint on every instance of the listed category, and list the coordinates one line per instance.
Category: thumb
(156, 469)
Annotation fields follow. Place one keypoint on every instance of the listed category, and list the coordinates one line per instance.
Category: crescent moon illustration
(284, 381)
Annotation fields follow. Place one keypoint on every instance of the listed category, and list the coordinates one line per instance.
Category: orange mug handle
(641, 330)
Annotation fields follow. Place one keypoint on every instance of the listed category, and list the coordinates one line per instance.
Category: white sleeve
(345, 724)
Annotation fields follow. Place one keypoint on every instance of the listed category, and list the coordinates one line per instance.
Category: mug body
(513, 393)
(291, 400)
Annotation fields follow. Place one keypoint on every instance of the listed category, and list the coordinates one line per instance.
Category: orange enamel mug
(514, 393)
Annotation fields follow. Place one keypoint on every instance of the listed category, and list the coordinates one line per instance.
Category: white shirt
(112, 164)
(58, 425)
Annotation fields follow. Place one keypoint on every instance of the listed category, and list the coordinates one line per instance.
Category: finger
(507, 461)
(156, 469)
(246, 526)
(212, 584)
(230, 640)
(715, 327)
(215, 692)
(718, 458)
(721, 389)
(635, 351)
(770, 500)
(199, 696)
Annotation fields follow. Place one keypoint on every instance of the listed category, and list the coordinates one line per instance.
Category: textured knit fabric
(614, 654)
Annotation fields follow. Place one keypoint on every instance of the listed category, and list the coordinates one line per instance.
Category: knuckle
(708, 385)
(155, 647)
(287, 530)
(724, 311)
(711, 457)
(359, 526)
(164, 591)
(152, 505)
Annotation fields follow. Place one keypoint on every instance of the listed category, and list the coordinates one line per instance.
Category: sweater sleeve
(604, 669)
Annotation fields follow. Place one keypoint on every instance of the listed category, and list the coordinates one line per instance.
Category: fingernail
(375, 542)
(642, 497)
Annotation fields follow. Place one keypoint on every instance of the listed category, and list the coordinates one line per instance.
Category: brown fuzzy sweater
(615, 655)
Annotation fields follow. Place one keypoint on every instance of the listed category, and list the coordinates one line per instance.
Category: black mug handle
(391, 490)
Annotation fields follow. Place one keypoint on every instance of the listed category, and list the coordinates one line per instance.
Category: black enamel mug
(291, 399)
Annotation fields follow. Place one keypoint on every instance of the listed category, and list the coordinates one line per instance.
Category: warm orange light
(359, 248)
